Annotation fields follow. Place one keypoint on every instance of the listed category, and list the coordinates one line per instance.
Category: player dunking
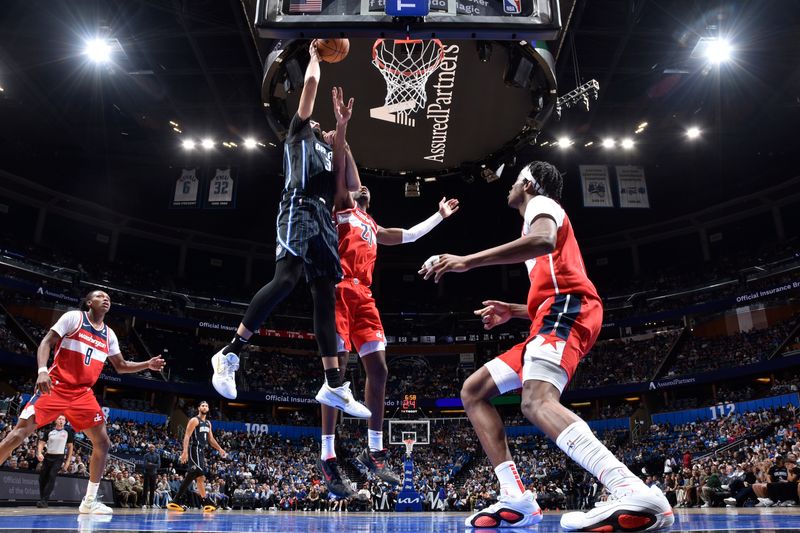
(82, 343)
(357, 320)
(196, 439)
(315, 174)
(566, 315)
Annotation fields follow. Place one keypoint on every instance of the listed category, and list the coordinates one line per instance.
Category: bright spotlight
(609, 143)
(718, 51)
(250, 143)
(98, 50)
(627, 144)
(188, 144)
(564, 142)
(693, 132)
(207, 143)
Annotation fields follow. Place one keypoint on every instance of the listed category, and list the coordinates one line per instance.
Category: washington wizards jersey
(308, 162)
(82, 351)
(358, 244)
(559, 272)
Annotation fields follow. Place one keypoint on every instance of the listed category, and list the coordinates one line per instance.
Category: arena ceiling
(109, 133)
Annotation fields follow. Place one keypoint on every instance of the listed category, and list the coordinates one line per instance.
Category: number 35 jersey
(358, 244)
(82, 351)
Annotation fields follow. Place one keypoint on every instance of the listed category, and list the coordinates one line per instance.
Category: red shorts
(80, 407)
(357, 318)
(562, 333)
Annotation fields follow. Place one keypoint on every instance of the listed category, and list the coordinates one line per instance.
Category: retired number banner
(632, 187)
(596, 186)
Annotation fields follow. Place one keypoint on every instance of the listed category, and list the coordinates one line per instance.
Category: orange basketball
(333, 50)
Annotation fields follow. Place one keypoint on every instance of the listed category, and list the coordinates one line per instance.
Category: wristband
(42, 369)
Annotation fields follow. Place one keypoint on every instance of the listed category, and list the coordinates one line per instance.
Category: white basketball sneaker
(522, 511)
(342, 398)
(639, 508)
(224, 378)
(90, 505)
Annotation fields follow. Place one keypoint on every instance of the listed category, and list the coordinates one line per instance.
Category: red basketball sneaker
(508, 512)
(641, 509)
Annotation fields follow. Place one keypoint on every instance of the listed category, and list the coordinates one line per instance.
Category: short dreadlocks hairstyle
(548, 176)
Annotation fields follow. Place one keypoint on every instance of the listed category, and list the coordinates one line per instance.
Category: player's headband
(527, 176)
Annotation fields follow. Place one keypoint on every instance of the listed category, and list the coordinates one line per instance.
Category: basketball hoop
(409, 445)
(406, 65)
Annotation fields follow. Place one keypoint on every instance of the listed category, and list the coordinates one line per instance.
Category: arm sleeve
(423, 228)
(543, 206)
(68, 323)
(113, 343)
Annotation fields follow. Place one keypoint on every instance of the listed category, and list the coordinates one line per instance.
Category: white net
(406, 65)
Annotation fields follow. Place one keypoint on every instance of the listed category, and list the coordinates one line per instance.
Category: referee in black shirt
(59, 440)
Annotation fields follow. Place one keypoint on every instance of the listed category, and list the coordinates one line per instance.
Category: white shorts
(536, 365)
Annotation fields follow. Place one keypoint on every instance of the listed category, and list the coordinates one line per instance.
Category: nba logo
(512, 7)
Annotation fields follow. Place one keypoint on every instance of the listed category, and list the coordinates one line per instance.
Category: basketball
(333, 50)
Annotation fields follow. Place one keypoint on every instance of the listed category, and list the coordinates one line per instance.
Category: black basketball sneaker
(337, 483)
(376, 463)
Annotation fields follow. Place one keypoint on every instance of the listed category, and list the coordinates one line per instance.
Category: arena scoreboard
(409, 404)
(529, 20)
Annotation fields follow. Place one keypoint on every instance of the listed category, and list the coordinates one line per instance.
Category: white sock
(91, 489)
(327, 451)
(375, 440)
(580, 444)
(510, 482)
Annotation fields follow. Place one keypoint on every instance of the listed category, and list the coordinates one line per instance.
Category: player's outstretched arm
(214, 443)
(310, 84)
(122, 366)
(345, 199)
(345, 181)
(540, 241)
(496, 312)
(393, 236)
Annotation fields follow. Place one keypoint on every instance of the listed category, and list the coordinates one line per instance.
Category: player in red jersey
(82, 343)
(566, 315)
(358, 323)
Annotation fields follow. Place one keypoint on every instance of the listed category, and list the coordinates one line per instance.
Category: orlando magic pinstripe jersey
(199, 437)
(308, 162)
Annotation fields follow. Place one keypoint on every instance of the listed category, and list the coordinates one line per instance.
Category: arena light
(693, 132)
(188, 144)
(564, 142)
(98, 50)
(250, 143)
(627, 143)
(207, 143)
(718, 51)
(609, 143)
(589, 144)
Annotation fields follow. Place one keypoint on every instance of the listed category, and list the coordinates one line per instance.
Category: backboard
(400, 430)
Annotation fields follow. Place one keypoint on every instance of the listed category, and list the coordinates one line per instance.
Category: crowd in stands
(614, 362)
(702, 354)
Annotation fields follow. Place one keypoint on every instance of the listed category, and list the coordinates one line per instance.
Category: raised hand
(494, 314)
(312, 51)
(342, 112)
(438, 266)
(156, 363)
(447, 207)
